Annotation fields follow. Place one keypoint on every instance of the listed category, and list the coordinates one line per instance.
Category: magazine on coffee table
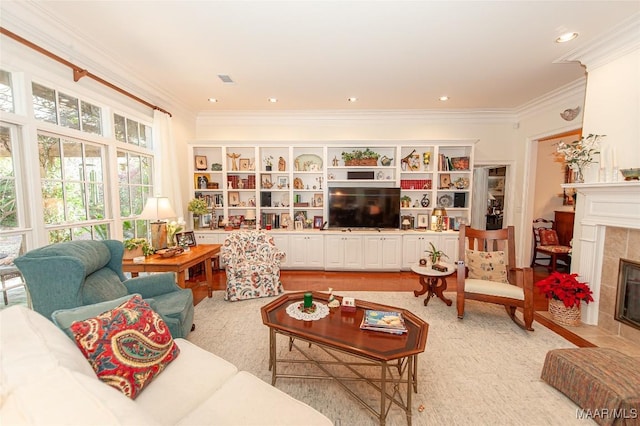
(386, 321)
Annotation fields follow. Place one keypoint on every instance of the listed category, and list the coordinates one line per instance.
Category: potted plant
(197, 206)
(565, 293)
(435, 254)
(268, 161)
(360, 157)
(134, 247)
(579, 154)
(405, 201)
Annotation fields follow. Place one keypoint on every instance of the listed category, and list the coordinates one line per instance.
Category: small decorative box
(348, 304)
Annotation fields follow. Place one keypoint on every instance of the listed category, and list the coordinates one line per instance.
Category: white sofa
(45, 379)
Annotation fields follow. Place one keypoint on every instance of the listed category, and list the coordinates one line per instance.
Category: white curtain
(480, 194)
(166, 184)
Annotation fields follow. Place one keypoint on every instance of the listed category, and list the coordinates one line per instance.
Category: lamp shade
(439, 211)
(250, 214)
(157, 208)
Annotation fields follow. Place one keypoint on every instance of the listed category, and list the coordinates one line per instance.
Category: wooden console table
(178, 264)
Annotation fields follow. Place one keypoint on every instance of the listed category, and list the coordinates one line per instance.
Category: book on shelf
(385, 321)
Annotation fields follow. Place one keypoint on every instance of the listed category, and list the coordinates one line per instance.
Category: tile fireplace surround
(607, 228)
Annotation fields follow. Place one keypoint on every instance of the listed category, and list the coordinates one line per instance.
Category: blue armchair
(77, 273)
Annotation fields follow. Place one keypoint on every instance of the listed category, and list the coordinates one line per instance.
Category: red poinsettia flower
(565, 287)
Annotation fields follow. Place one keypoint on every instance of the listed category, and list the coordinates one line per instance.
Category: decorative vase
(579, 176)
(563, 315)
(196, 222)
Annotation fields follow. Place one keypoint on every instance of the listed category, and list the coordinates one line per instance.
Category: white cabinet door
(382, 252)
(352, 252)
(282, 242)
(415, 246)
(343, 252)
(315, 251)
(207, 238)
(306, 251)
(391, 256)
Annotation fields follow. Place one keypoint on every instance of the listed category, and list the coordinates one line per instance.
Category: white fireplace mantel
(599, 205)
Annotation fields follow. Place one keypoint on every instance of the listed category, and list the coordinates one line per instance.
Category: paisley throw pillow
(487, 265)
(127, 346)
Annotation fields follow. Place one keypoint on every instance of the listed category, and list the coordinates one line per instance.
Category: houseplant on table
(434, 254)
(565, 293)
(197, 206)
(134, 247)
(173, 228)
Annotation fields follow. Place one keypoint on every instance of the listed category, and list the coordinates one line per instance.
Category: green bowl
(631, 174)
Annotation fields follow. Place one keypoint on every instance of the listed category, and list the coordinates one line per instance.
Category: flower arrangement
(566, 288)
(268, 160)
(358, 154)
(134, 243)
(578, 154)
(198, 206)
(173, 228)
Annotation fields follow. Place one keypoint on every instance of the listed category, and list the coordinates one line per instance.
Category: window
(135, 173)
(66, 110)
(73, 188)
(132, 132)
(6, 92)
(8, 204)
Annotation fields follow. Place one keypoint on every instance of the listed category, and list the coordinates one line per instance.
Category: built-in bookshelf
(279, 184)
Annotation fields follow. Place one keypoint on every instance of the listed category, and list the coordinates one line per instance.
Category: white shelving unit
(237, 183)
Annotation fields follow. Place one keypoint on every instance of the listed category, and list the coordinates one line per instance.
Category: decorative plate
(445, 200)
(308, 163)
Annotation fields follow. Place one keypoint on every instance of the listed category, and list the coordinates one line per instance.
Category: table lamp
(439, 213)
(250, 217)
(156, 210)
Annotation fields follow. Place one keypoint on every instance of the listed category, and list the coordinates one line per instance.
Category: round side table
(433, 282)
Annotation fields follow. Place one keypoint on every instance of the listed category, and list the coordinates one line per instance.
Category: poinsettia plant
(565, 287)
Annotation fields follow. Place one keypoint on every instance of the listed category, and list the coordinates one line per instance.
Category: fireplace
(628, 298)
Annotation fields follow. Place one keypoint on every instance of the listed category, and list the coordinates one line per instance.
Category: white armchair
(252, 265)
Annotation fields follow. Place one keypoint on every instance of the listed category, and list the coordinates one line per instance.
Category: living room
(606, 94)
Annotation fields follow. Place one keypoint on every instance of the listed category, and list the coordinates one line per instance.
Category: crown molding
(467, 116)
(573, 90)
(621, 40)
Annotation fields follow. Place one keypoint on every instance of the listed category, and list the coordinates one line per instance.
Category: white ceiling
(313, 55)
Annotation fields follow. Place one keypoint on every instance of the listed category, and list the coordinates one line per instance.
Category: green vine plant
(134, 243)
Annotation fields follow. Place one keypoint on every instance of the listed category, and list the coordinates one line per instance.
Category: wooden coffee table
(339, 336)
(201, 253)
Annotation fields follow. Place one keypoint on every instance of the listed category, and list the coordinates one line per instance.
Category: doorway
(491, 190)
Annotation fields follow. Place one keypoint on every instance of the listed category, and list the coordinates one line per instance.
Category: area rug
(480, 370)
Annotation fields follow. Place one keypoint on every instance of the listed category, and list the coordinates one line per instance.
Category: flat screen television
(351, 207)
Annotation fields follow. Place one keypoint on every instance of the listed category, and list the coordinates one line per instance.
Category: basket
(563, 315)
(361, 162)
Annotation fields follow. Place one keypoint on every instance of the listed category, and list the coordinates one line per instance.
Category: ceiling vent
(225, 79)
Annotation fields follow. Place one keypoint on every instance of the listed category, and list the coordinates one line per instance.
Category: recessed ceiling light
(443, 98)
(352, 99)
(566, 37)
(273, 100)
(213, 100)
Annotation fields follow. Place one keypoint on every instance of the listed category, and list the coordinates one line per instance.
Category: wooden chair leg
(460, 306)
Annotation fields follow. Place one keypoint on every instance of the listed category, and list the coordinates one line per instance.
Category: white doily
(294, 310)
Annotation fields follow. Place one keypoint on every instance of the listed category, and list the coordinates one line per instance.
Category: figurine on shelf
(234, 160)
(282, 164)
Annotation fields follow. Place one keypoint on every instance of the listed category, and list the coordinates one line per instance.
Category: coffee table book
(385, 321)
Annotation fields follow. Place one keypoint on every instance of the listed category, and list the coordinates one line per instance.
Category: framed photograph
(317, 222)
(283, 182)
(205, 220)
(445, 180)
(299, 225)
(245, 164)
(234, 198)
(318, 199)
(424, 220)
(285, 220)
(186, 239)
(266, 182)
(201, 162)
